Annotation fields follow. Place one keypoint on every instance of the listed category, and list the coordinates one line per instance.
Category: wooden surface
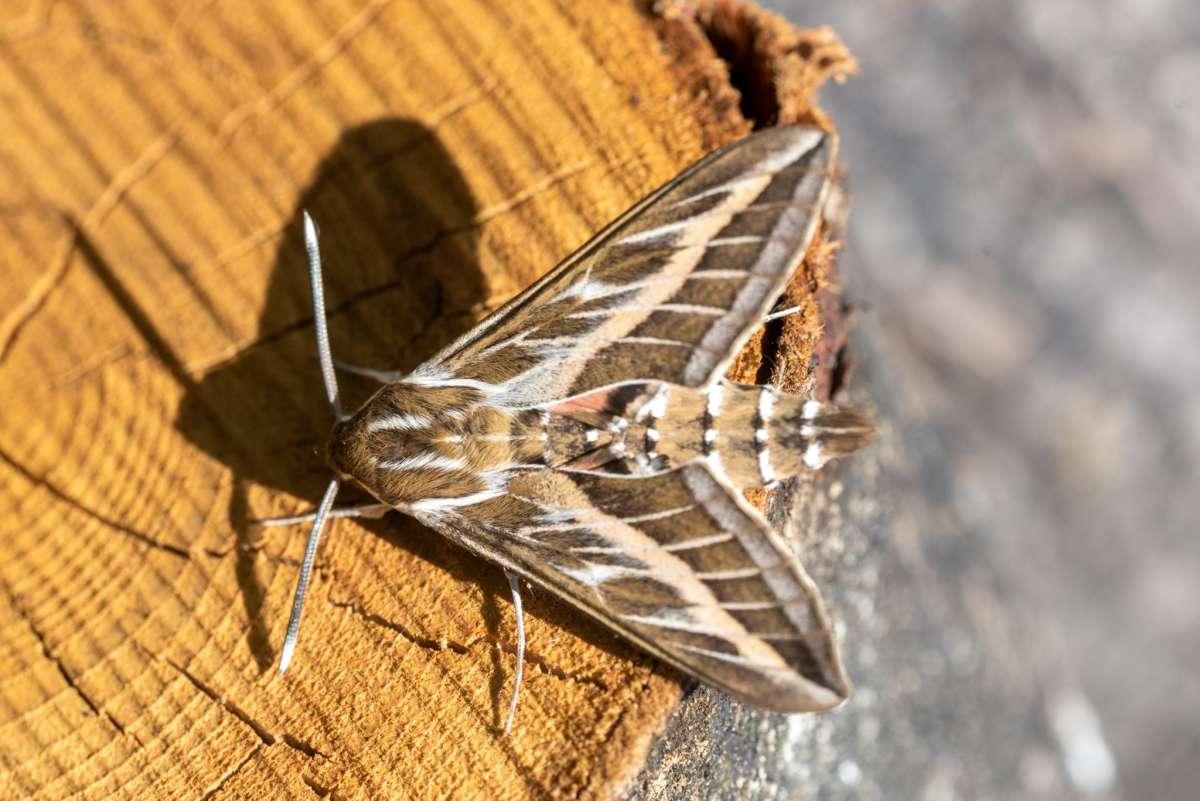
(160, 389)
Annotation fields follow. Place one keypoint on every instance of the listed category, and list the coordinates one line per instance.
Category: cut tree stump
(160, 389)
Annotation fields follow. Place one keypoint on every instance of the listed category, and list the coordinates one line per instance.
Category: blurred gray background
(1026, 231)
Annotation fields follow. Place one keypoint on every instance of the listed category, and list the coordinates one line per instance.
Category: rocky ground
(1026, 233)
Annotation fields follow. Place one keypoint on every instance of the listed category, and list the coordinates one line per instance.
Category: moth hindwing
(583, 436)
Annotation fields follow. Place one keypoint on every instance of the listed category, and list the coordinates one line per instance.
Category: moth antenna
(514, 584)
(318, 295)
(310, 555)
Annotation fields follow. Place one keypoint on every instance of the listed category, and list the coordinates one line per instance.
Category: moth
(583, 437)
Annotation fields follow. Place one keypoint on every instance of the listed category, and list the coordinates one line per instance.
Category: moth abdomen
(761, 436)
(816, 432)
(757, 436)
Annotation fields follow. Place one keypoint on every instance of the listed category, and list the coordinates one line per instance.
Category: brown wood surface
(160, 390)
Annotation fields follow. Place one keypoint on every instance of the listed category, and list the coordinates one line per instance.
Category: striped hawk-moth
(583, 436)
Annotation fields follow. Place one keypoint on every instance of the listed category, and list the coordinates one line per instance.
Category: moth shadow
(402, 279)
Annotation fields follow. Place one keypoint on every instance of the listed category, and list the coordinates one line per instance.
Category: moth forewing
(583, 438)
(680, 564)
(670, 291)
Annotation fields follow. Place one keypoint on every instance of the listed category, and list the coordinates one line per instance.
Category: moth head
(346, 452)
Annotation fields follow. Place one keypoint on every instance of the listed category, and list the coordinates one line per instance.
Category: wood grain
(160, 389)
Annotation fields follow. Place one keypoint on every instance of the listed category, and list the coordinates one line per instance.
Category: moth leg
(382, 376)
(779, 315)
(372, 510)
(514, 584)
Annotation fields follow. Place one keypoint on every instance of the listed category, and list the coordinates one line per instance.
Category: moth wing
(670, 291)
(679, 563)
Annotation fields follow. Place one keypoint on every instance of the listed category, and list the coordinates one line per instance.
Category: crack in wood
(428, 643)
(263, 733)
(527, 194)
(496, 210)
(320, 790)
(342, 307)
(216, 786)
(143, 538)
(91, 704)
(430, 126)
(321, 56)
(32, 302)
